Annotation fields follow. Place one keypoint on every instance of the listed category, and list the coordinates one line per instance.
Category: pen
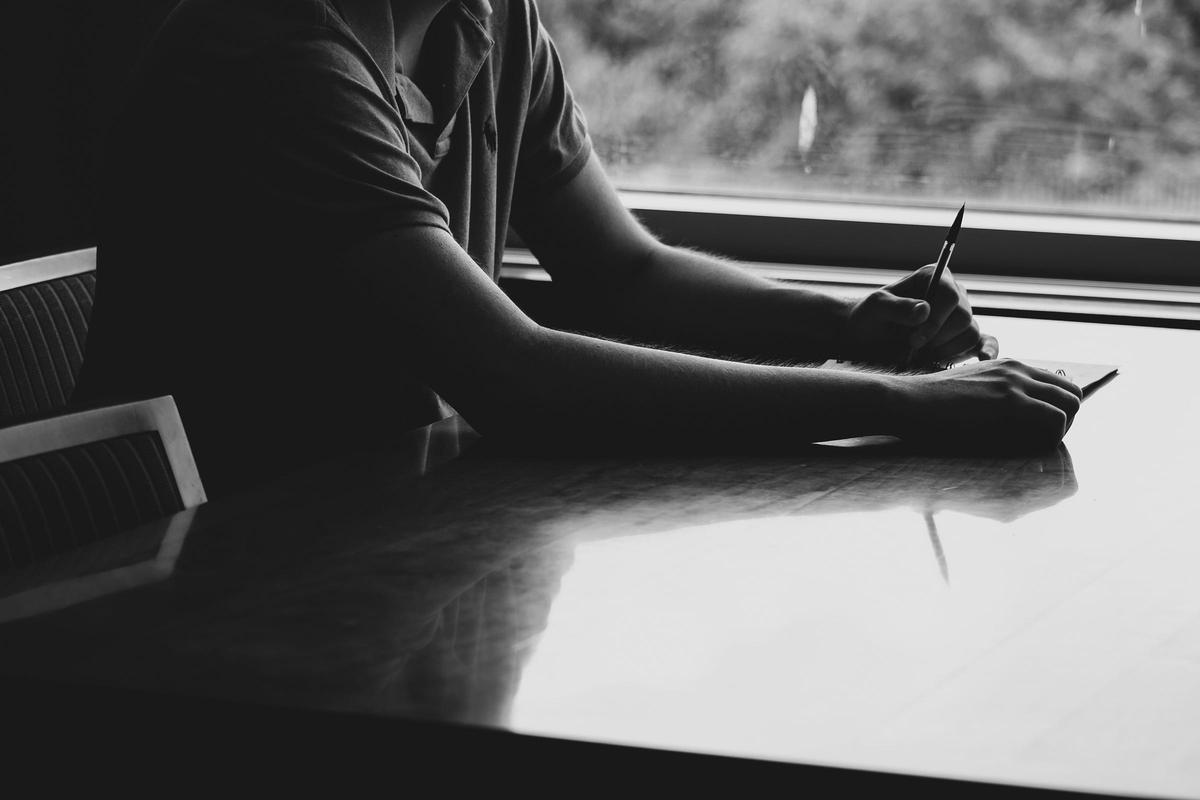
(943, 260)
(944, 256)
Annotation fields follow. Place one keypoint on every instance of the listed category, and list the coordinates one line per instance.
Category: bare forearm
(566, 388)
(447, 324)
(697, 302)
(457, 331)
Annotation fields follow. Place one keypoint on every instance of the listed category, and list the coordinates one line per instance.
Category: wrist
(876, 403)
(841, 312)
(905, 405)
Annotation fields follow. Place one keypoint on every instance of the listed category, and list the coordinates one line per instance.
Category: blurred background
(1080, 106)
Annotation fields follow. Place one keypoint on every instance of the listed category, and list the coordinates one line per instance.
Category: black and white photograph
(646, 398)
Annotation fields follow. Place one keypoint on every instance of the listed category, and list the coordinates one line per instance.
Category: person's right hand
(1001, 404)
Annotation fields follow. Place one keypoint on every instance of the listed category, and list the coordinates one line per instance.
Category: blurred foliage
(1043, 102)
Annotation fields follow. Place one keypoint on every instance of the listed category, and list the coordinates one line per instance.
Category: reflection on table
(1028, 620)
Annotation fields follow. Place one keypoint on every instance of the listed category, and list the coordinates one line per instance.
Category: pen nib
(952, 236)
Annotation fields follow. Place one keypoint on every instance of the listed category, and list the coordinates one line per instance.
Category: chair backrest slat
(45, 309)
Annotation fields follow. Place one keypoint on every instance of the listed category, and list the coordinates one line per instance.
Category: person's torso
(212, 292)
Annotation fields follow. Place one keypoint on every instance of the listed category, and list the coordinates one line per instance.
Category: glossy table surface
(1023, 620)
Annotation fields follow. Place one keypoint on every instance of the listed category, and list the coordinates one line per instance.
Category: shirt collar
(460, 42)
(480, 8)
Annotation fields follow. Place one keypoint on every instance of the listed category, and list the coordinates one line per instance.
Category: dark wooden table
(1025, 621)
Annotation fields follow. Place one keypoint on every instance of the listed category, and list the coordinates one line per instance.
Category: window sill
(1157, 305)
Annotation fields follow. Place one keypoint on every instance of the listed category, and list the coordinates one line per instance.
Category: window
(848, 131)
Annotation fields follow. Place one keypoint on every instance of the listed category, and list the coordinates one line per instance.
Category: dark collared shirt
(261, 140)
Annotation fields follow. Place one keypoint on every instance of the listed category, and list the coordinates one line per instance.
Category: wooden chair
(69, 480)
(45, 308)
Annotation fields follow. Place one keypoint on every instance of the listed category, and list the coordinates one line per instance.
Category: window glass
(1086, 106)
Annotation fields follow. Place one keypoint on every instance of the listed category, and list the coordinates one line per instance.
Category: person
(305, 207)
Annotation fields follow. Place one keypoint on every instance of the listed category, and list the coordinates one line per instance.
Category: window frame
(1067, 266)
(1012, 244)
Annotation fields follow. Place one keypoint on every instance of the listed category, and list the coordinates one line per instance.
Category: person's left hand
(892, 323)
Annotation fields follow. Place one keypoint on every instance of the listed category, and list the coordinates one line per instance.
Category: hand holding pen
(942, 262)
(924, 316)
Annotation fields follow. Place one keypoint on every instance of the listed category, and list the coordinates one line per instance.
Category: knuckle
(1006, 366)
(1005, 391)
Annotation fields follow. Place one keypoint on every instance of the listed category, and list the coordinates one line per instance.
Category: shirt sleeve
(555, 143)
(326, 146)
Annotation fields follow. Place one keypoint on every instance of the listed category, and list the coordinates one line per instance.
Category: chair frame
(47, 268)
(107, 422)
